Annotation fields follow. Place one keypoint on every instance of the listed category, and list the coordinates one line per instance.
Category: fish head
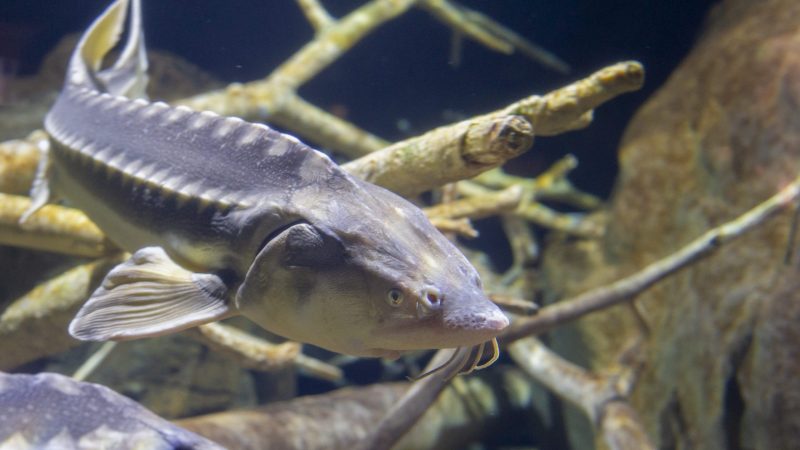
(368, 275)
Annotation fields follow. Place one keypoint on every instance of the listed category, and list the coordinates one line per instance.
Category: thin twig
(479, 206)
(259, 99)
(461, 227)
(316, 14)
(514, 305)
(628, 287)
(455, 17)
(491, 34)
(94, 361)
(571, 223)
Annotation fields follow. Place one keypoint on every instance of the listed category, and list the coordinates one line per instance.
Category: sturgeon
(226, 217)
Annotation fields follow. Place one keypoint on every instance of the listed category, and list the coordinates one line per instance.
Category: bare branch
(479, 206)
(18, 160)
(570, 107)
(326, 129)
(571, 223)
(454, 16)
(316, 14)
(445, 154)
(515, 305)
(258, 354)
(342, 419)
(467, 148)
(53, 228)
(489, 33)
(415, 401)
(552, 184)
(524, 247)
(593, 394)
(50, 306)
(461, 227)
(260, 99)
(626, 288)
(94, 361)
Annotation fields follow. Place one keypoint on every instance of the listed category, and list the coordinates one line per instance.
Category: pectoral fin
(150, 295)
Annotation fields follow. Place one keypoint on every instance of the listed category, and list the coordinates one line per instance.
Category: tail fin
(128, 75)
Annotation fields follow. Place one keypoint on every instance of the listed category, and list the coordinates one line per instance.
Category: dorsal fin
(127, 76)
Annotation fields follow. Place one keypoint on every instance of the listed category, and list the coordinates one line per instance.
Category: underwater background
(706, 358)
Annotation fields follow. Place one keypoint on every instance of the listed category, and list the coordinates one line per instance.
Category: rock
(721, 367)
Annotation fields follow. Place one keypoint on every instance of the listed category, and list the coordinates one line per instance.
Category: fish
(52, 411)
(225, 217)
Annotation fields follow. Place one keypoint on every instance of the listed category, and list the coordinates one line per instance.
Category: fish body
(52, 411)
(228, 217)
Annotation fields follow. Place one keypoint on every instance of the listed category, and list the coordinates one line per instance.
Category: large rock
(721, 359)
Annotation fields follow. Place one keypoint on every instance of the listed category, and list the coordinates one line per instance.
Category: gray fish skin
(51, 411)
(228, 217)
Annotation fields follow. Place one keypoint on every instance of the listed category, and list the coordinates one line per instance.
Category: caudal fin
(128, 75)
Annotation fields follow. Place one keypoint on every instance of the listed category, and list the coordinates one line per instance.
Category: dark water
(401, 72)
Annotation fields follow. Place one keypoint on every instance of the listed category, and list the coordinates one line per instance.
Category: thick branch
(570, 107)
(445, 154)
(593, 394)
(467, 148)
(413, 404)
(53, 228)
(18, 160)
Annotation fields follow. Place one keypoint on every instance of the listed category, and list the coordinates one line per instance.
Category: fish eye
(394, 297)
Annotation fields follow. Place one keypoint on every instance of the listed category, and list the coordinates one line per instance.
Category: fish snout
(476, 318)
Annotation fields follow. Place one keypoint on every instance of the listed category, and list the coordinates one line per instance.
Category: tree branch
(628, 287)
